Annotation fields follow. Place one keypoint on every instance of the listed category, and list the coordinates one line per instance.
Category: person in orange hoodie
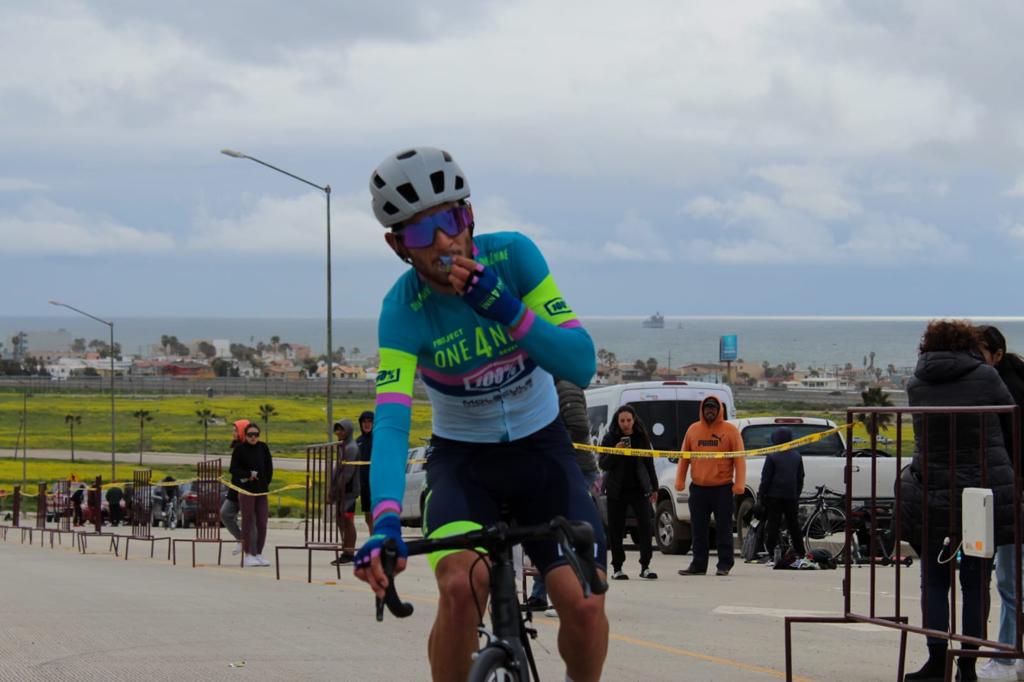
(714, 481)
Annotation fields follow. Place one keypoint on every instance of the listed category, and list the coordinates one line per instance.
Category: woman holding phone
(252, 469)
(630, 481)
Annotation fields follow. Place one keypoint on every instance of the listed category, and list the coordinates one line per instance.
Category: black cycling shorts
(534, 478)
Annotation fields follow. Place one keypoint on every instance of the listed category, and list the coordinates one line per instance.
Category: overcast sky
(805, 158)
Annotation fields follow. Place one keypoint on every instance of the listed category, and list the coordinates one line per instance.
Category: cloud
(42, 227)
(1017, 190)
(895, 240)
(813, 189)
(20, 185)
(292, 226)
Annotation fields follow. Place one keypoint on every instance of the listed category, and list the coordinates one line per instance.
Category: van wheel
(742, 528)
(673, 536)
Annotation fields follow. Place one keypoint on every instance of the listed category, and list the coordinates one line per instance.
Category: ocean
(818, 342)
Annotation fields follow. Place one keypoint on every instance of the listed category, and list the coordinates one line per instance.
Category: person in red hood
(714, 481)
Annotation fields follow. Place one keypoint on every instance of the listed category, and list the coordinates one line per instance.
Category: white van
(667, 408)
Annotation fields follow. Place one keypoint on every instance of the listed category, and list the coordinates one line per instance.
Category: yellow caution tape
(682, 454)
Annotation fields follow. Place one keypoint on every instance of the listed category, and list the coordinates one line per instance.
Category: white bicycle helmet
(414, 180)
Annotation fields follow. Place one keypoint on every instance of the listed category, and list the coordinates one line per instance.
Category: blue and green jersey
(486, 384)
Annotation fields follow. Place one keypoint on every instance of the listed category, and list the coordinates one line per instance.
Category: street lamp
(109, 323)
(326, 189)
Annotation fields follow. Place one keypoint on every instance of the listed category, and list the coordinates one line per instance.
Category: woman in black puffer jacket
(951, 372)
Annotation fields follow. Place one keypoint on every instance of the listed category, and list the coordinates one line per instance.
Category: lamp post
(113, 440)
(326, 189)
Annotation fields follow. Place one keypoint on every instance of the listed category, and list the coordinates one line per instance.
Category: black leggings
(775, 509)
(975, 576)
(617, 526)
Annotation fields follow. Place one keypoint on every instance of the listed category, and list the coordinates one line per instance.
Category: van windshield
(667, 420)
(760, 436)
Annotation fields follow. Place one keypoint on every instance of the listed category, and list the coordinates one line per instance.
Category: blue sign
(728, 348)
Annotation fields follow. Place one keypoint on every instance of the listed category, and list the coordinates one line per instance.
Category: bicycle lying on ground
(825, 529)
(505, 655)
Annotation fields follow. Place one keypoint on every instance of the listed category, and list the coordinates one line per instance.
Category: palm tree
(875, 397)
(143, 416)
(266, 412)
(72, 420)
(206, 418)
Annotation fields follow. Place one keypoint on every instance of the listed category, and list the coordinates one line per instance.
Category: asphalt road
(66, 616)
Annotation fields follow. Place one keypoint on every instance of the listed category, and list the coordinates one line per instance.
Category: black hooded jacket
(947, 378)
(628, 476)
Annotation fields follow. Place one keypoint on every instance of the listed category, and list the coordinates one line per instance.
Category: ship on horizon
(655, 321)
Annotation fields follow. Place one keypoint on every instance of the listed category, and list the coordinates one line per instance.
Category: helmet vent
(459, 182)
(437, 180)
(446, 155)
(406, 155)
(408, 192)
(389, 208)
(378, 181)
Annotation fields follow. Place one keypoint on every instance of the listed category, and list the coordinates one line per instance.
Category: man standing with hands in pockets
(714, 482)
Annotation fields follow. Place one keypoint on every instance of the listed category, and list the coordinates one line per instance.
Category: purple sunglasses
(452, 222)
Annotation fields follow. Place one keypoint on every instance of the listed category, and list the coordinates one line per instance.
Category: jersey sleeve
(393, 416)
(549, 330)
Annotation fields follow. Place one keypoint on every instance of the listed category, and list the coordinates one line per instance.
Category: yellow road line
(718, 660)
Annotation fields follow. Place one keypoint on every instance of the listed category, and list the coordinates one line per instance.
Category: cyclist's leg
(583, 625)
(458, 501)
(557, 488)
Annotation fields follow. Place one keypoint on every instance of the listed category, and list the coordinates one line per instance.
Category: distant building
(223, 347)
(41, 343)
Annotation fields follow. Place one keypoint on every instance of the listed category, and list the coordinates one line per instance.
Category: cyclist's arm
(548, 330)
(391, 426)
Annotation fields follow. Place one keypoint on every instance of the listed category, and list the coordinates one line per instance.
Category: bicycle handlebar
(576, 539)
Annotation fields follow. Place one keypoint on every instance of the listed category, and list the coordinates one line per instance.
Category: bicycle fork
(511, 632)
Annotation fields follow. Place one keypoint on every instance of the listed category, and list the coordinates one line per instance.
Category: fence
(943, 419)
(206, 488)
(141, 512)
(60, 511)
(94, 498)
(320, 530)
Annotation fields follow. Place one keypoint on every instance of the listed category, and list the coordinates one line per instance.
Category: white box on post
(978, 517)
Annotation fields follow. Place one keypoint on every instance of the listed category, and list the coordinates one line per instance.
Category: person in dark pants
(630, 482)
(77, 498)
(344, 490)
(114, 497)
(782, 480)
(252, 469)
(715, 481)
(1011, 370)
(365, 444)
(951, 371)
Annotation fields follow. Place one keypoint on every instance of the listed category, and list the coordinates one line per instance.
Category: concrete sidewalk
(73, 617)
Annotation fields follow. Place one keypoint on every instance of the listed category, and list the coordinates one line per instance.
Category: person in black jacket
(572, 410)
(630, 482)
(951, 372)
(365, 443)
(252, 469)
(782, 480)
(114, 496)
(1011, 370)
(344, 489)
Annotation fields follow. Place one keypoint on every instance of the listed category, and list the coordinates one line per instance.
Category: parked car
(824, 464)
(415, 487)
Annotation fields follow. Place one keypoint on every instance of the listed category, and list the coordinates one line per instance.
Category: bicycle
(506, 655)
(824, 524)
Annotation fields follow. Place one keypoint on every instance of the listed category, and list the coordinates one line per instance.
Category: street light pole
(326, 189)
(113, 439)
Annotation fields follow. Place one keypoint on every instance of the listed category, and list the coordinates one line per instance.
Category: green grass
(175, 428)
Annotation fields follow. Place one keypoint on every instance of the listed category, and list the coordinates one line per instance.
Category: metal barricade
(94, 497)
(15, 512)
(945, 418)
(141, 512)
(320, 530)
(206, 488)
(60, 510)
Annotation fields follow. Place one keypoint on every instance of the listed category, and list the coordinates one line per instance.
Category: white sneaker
(237, 550)
(251, 560)
(262, 560)
(994, 670)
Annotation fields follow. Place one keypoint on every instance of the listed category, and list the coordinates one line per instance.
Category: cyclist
(485, 324)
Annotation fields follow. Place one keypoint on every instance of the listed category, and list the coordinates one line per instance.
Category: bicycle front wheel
(826, 529)
(493, 664)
